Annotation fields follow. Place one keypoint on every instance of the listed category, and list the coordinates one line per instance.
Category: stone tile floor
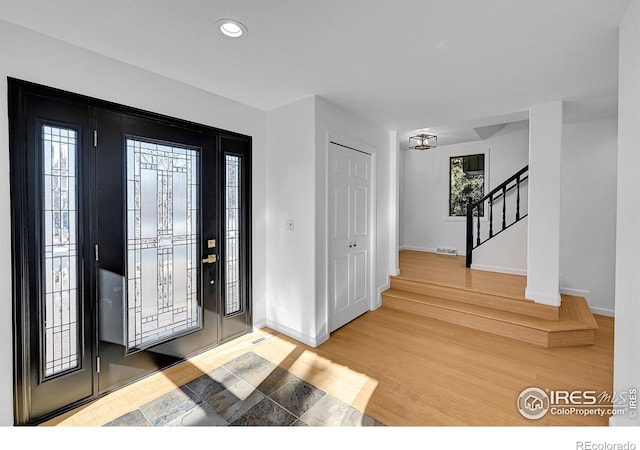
(248, 391)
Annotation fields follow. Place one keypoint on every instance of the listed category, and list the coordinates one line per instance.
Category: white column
(543, 252)
(394, 203)
(626, 352)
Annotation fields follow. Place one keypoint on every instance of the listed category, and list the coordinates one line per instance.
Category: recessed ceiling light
(231, 28)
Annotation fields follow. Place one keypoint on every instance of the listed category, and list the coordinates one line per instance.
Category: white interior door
(349, 234)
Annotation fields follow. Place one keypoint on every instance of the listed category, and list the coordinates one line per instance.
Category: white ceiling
(402, 64)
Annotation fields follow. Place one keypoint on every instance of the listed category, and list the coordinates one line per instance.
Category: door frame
(354, 145)
(21, 293)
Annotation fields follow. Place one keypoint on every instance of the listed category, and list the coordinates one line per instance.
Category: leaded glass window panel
(232, 217)
(162, 242)
(59, 237)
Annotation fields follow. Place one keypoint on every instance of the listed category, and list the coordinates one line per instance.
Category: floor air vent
(261, 339)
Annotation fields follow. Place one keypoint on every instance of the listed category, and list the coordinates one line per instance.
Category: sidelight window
(59, 238)
(232, 215)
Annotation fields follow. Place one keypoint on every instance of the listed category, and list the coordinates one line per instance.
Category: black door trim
(19, 252)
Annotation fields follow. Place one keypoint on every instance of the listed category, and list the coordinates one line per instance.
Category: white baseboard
(293, 334)
(508, 270)
(381, 289)
(603, 311)
(544, 298)
(577, 293)
(418, 249)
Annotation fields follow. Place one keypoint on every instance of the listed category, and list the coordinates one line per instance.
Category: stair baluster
(490, 217)
(518, 198)
(478, 219)
(469, 230)
(504, 207)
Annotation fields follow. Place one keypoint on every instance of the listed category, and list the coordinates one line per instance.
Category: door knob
(210, 259)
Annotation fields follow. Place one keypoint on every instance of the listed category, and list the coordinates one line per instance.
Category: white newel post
(543, 253)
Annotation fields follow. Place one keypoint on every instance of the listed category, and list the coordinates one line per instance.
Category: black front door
(157, 291)
(131, 245)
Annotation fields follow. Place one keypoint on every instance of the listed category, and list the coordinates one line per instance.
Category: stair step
(575, 324)
(495, 300)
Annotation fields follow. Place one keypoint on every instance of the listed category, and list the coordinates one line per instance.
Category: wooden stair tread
(476, 297)
(576, 308)
(467, 288)
(574, 314)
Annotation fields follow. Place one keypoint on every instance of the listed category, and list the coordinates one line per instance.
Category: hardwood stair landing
(442, 288)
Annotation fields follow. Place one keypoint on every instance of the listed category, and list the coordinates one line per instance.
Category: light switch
(288, 225)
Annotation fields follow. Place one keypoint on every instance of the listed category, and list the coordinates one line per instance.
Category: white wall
(588, 211)
(424, 221)
(506, 253)
(298, 137)
(291, 181)
(335, 122)
(37, 58)
(626, 356)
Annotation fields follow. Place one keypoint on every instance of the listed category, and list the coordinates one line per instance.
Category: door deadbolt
(210, 259)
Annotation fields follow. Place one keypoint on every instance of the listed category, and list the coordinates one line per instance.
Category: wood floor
(404, 370)
(450, 271)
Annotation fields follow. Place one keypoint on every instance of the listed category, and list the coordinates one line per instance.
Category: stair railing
(477, 210)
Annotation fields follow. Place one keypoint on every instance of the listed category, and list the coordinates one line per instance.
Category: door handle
(210, 259)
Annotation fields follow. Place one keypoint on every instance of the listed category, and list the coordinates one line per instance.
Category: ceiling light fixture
(231, 28)
(423, 141)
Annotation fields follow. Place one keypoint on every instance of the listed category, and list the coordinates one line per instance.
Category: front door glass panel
(162, 242)
(233, 304)
(59, 237)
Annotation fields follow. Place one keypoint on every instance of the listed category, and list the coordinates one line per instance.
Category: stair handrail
(502, 190)
(499, 187)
